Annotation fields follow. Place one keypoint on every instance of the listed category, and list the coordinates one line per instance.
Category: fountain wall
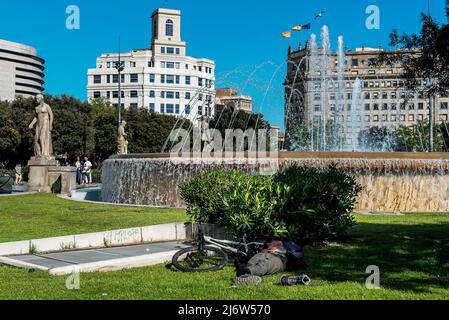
(405, 182)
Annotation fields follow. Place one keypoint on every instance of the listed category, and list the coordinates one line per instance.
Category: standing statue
(122, 144)
(205, 136)
(44, 125)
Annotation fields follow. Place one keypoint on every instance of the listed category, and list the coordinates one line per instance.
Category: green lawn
(45, 215)
(412, 252)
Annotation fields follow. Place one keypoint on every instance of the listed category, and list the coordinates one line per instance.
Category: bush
(204, 195)
(320, 203)
(304, 203)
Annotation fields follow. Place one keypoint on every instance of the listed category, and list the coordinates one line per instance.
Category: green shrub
(320, 202)
(304, 203)
(204, 194)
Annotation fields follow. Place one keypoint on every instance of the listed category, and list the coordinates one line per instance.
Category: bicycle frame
(230, 246)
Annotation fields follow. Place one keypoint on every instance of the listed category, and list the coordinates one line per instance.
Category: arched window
(169, 28)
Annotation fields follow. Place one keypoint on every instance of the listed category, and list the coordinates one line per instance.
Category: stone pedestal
(44, 171)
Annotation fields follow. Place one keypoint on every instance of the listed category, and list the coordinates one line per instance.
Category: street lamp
(120, 67)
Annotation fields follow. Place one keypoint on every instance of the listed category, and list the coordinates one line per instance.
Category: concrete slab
(53, 244)
(164, 232)
(92, 260)
(17, 247)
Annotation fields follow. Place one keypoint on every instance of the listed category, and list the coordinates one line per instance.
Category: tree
(148, 131)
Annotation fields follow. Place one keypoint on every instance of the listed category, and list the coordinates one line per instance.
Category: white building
(21, 71)
(161, 78)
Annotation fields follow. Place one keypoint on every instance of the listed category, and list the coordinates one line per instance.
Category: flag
(306, 26)
(287, 34)
(320, 14)
(297, 28)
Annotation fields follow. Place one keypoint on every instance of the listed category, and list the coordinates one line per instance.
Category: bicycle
(209, 254)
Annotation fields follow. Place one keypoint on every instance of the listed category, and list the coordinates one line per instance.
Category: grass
(412, 252)
(45, 215)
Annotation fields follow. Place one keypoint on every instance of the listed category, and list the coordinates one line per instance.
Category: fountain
(392, 182)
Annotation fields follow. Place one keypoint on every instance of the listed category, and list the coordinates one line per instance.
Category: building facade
(21, 71)
(384, 99)
(226, 97)
(161, 78)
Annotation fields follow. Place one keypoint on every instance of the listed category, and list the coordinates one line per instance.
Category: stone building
(162, 77)
(384, 100)
(231, 99)
(21, 71)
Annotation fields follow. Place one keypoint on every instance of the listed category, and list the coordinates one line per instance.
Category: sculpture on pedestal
(122, 143)
(43, 120)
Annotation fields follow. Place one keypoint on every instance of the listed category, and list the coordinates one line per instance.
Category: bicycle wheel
(193, 260)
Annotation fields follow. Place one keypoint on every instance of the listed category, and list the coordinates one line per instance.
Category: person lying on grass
(276, 257)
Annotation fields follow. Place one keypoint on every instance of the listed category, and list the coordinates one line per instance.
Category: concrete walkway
(92, 260)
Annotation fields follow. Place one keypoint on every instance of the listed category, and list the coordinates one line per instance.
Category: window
(393, 106)
(402, 118)
(162, 64)
(420, 106)
(108, 78)
(384, 95)
(411, 117)
(187, 109)
(170, 50)
(188, 95)
(385, 106)
(97, 79)
(367, 118)
(169, 28)
(115, 94)
(187, 79)
(200, 82)
(151, 107)
(108, 64)
(177, 50)
(177, 108)
(354, 62)
(375, 118)
(162, 78)
(163, 50)
(411, 106)
(162, 108)
(133, 94)
(162, 94)
(177, 95)
(393, 118)
(108, 94)
(170, 79)
(134, 77)
(170, 95)
(133, 105)
(152, 94)
(444, 105)
(367, 106)
(169, 108)
(97, 94)
(376, 106)
(177, 79)
(367, 95)
(152, 78)
(132, 64)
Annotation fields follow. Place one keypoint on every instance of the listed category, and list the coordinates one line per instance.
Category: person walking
(78, 170)
(18, 170)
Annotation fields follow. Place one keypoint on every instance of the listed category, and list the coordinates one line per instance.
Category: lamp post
(119, 68)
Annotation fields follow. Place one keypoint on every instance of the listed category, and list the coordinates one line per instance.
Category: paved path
(112, 258)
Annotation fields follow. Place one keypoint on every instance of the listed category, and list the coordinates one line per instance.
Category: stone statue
(205, 136)
(121, 141)
(44, 125)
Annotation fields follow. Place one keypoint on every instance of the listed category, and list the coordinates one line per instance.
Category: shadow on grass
(412, 257)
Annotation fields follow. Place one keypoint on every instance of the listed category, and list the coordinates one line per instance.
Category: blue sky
(237, 34)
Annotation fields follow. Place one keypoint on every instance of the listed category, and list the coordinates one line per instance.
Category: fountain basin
(392, 182)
